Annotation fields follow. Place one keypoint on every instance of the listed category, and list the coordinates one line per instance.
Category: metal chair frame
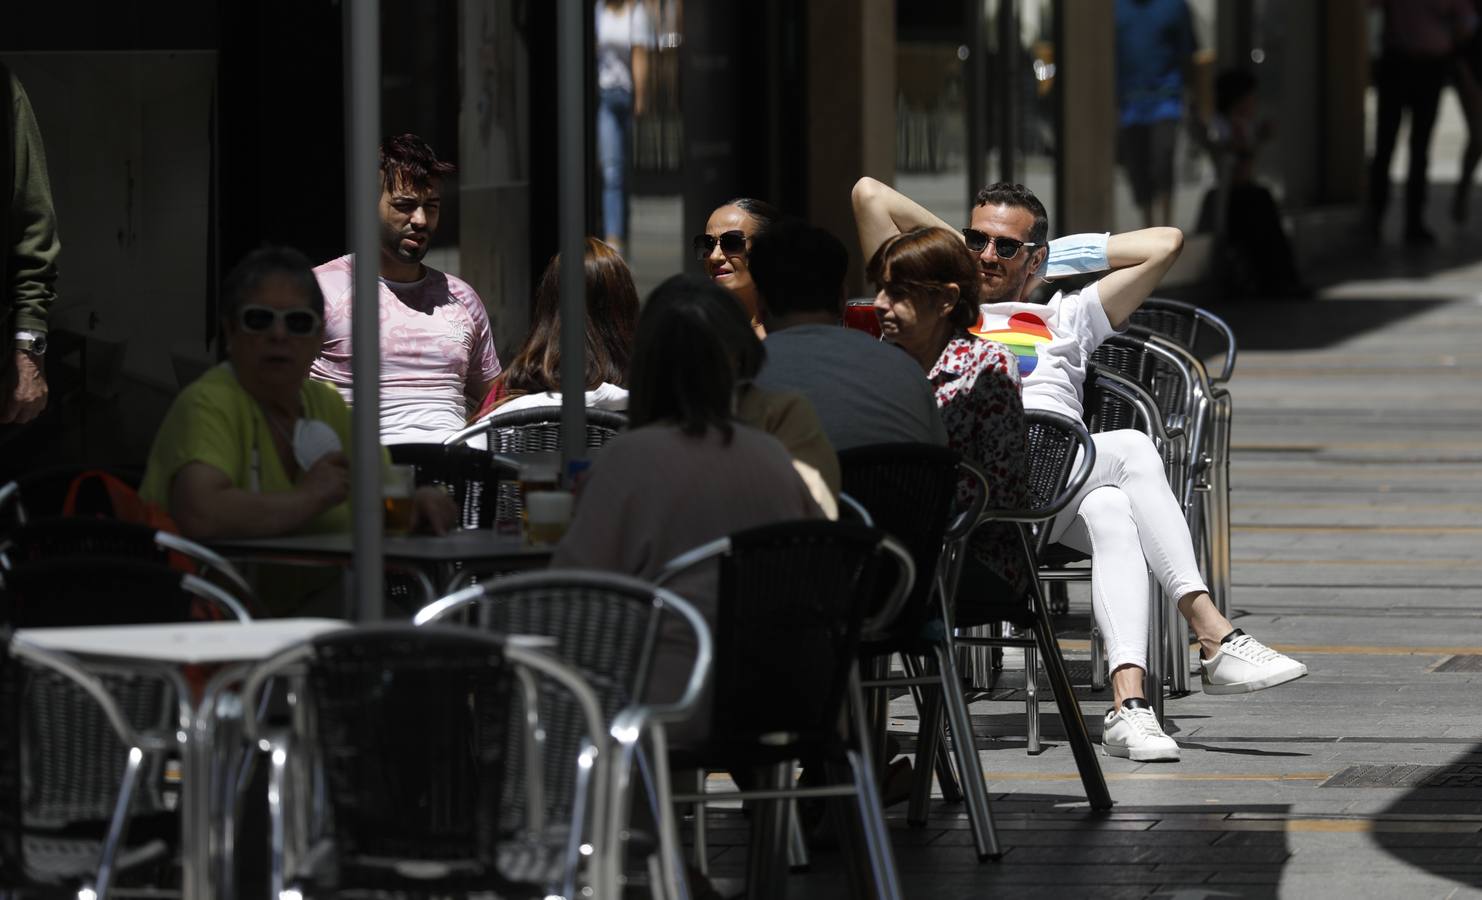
(1032, 527)
(860, 760)
(139, 745)
(1209, 487)
(1198, 331)
(940, 671)
(630, 726)
(543, 424)
(591, 764)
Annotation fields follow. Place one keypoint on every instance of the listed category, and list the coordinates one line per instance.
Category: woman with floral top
(927, 299)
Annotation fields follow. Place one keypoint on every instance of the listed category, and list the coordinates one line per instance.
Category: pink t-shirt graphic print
(435, 343)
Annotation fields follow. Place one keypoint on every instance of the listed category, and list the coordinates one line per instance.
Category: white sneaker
(1133, 732)
(1245, 664)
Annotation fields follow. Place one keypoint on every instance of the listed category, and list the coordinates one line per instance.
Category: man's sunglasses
(1006, 248)
(297, 322)
(732, 243)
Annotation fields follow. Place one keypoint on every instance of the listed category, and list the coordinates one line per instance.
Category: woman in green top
(253, 448)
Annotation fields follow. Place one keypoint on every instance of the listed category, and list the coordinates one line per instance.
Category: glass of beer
(397, 487)
(536, 478)
(861, 316)
(547, 513)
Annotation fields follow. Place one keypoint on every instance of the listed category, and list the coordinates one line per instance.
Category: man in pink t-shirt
(437, 353)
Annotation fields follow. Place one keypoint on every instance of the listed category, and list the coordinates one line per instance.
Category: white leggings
(1126, 517)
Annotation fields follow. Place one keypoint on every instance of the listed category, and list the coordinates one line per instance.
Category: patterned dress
(976, 384)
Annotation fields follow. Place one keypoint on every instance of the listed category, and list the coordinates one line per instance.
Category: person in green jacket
(28, 263)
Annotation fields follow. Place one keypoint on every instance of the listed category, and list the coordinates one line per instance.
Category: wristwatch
(31, 342)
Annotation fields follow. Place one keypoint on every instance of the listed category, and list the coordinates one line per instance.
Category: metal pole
(571, 170)
(363, 192)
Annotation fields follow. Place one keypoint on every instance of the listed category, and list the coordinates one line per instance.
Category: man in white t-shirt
(437, 352)
(1126, 509)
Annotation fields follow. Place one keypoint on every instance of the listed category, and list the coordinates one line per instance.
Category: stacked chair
(1199, 334)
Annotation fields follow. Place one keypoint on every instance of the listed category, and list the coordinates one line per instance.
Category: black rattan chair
(1202, 335)
(470, 475)
(101, 590)
(76, 537)
(1053, 443)
(72, 838)
(609, 627)
(793, 600)
(415, 731)
(538, 429)
(910, 492)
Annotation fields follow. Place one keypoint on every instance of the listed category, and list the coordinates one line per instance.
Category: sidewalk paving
(1357, 504)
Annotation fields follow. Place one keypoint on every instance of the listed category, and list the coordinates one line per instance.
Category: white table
(233, 645)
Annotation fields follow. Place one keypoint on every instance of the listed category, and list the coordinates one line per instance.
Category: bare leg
(1127, 682)
(1209, 626)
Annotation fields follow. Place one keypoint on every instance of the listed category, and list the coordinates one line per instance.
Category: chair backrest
(1053, 442)
(1114, 402)
(72, 537)
(1132, 357)
(472, 475)
(791, 604)
(538, 428)
(62, 592)
(413, 728)
(64, 745)
(909, 491)
(607, 626)
(1196, 329)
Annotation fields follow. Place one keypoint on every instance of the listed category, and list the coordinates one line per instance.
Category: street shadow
(1312, 324)
(1411, 828)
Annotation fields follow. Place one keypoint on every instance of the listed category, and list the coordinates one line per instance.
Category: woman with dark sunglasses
(253, 448)
(725, 249)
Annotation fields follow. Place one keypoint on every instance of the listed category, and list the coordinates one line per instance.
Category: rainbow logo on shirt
(1022, 334)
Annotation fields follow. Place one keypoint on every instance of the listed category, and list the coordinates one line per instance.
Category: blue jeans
(614, 120)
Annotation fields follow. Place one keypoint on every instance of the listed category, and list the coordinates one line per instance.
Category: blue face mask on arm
(1075, 254)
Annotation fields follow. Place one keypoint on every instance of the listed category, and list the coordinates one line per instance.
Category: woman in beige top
(686, 472)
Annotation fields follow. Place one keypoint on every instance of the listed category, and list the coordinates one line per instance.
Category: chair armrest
(905, 579)
(68, 666)
(448, 604)
(967, 519)
(204, 589)
(252, 684)
(206, 555)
